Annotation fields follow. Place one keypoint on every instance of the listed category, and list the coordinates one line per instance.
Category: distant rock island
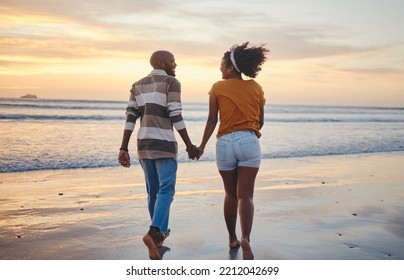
(29, 96)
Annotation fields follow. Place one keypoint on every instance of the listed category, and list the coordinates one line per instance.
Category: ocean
(40, 134)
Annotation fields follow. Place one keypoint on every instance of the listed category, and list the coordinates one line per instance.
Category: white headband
(233, 61)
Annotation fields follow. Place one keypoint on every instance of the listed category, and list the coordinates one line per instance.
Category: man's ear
(162, 65)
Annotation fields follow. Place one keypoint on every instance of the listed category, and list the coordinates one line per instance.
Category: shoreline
(310, 208)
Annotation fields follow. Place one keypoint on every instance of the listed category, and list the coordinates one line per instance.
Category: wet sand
(312, 208)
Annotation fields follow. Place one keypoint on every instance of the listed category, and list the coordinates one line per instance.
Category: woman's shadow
(233, 252)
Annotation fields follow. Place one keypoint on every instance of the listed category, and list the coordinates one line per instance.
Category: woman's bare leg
(230, 204)
(245, 192)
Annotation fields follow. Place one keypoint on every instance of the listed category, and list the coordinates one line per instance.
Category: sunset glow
(322, 52)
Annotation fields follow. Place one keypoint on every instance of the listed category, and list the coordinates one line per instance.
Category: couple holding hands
(156, 101)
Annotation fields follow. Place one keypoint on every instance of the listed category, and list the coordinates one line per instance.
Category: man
(156, 100)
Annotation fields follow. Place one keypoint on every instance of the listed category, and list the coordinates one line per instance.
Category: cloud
(201, 31)
(88, 11)
(112, 26)
(18, 87)
(228, 24)
(373, 71)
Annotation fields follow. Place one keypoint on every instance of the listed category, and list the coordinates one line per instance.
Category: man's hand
(124, 158)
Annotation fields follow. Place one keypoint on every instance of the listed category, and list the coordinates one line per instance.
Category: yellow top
(239, 103)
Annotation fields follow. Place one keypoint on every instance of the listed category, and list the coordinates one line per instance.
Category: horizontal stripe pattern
(155, 133)
(154, 145)
(156, 99)
(152, 97)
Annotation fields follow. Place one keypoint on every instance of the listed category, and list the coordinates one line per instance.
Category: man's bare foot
(161, 237)
(151, 245)
(247, 252)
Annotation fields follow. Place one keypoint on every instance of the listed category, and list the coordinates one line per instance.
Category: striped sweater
(156, 99)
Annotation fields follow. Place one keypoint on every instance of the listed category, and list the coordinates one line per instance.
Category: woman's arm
(210, 123)
(261, 117)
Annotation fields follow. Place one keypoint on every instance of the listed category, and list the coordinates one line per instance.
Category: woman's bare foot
(247, 252)
(151, 245)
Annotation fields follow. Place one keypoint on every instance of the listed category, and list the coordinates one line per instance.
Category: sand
(311, 208)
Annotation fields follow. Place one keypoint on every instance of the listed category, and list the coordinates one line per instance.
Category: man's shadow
(162, 250)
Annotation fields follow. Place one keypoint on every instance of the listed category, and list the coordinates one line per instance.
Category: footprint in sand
(351, 246)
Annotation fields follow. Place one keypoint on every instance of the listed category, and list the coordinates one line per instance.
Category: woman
(240, 104)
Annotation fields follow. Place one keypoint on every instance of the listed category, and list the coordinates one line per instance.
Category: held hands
(194, 152)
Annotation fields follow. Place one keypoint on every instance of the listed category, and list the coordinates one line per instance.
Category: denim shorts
(238, 148)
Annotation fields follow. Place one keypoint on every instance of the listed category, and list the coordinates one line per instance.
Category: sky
(322, 52)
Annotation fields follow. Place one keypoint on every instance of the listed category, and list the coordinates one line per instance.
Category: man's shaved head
(163, 60)
(158, 57)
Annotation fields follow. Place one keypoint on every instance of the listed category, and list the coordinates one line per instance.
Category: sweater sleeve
(174, 105)
(132, 112)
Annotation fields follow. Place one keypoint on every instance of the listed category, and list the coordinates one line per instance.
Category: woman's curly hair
(248, 59)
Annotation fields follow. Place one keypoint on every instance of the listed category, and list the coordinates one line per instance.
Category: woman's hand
(200, 150)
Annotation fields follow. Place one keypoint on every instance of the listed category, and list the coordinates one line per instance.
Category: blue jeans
(160, 175)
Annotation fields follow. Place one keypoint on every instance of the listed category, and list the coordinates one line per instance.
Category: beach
(343, 207)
